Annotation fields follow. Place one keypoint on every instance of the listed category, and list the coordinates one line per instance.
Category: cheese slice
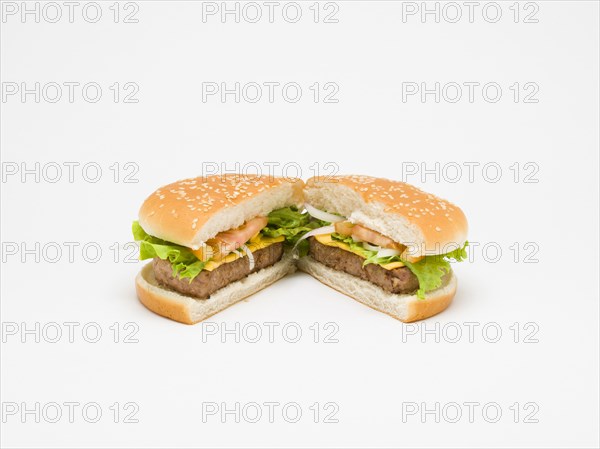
(257, 242)
(392, 265)
(326, 239)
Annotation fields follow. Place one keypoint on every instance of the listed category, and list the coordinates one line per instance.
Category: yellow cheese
(392, 265)
(257, 242)
(326, 239)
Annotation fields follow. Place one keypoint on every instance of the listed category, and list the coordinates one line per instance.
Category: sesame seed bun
(427, 224)
(191, 211)
(406, 308)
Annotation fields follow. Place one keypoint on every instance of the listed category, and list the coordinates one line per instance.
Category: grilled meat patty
(208, 282)
(398, 280)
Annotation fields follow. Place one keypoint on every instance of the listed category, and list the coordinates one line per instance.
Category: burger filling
(374, 257)
(209, 281)
(259, 243)
(229, 256)
(394, 279)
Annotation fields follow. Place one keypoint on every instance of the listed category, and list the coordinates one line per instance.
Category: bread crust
(191, 211)
(156, 300)
(424, 222)
(406, 308)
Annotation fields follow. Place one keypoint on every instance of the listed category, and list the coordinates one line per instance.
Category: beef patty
(208, 282)
(398, 280)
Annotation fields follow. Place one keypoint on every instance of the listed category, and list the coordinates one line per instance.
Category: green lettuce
(184, 263)
(291, 224)
(429, 271)
(356, 246)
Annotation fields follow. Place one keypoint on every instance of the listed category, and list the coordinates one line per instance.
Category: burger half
(387, 244)
(216, 240)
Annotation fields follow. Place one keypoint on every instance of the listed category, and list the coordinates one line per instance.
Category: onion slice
(372, 247)
(324, 216)
(245, 249)
(323, 230)
(387, 252)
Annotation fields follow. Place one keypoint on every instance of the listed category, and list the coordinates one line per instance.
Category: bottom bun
(188, 310)
(405, 308)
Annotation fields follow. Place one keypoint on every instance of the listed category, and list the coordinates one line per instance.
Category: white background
(377, 365)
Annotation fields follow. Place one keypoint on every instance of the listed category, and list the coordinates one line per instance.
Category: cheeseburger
(215, 240)
(218, 239)
(388, 244)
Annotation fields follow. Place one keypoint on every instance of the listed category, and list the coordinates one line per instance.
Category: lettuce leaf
(358, 247)
(429, 271)
(287, 217)
(291, 224)
(459, 254)
(184, 263)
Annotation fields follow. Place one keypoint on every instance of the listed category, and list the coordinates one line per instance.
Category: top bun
(427, 224)
(191, 211)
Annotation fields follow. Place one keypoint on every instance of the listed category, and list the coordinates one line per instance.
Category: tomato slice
(375, 238)
(226, 242)
(344, 227)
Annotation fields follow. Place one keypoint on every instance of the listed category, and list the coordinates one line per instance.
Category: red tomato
(375, 238)
(226, 242)
(343, 227)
